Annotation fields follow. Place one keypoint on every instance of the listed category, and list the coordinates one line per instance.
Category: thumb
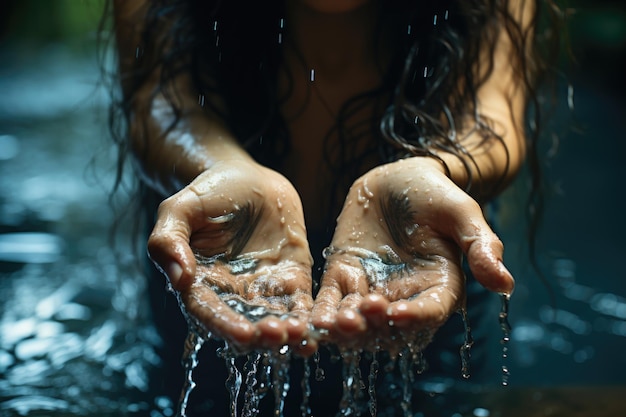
(483, 249)
(169, 250)
(484, 255)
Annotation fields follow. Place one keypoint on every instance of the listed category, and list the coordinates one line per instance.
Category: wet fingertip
(272, 332)
(296, 329)
(508, 280)
(350, 321)
(174, 272)
(373, 304)
(399, 315)
(306, 348)
(323, 322)
(244, 334)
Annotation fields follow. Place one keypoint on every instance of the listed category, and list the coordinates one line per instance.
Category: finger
(272, 332)
(218, 318)
(339, 280)
(429, 310)
(349, 320)
(168, 247)
(325, 306)
(373, 308)
(307, 348)
(483, 249)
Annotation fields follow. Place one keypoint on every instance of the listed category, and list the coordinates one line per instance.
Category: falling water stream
(254, 375)
(74, 337)
(503, 318)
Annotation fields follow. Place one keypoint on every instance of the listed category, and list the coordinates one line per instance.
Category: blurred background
(75, 338)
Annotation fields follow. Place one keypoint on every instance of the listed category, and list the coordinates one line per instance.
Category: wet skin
(239, 213)
(419, 223)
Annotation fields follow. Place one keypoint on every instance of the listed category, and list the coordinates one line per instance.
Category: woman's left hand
(393, 272)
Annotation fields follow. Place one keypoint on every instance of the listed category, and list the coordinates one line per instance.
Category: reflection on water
(74, 339)
(74, 334)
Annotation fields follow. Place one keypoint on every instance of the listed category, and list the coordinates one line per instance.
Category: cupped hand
(393, 271)
(233, 246)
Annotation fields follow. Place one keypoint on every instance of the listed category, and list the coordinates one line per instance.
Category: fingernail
(511, 283)
(173, 272)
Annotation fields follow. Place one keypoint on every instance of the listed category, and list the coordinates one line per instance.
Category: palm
(394, 271)
(240, 235)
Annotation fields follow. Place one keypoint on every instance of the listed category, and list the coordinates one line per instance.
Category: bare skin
(419, 224)
(228, 209)
(246, 223)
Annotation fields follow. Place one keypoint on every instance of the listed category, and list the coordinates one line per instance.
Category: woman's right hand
(233, 245)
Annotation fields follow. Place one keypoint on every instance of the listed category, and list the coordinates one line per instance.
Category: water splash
(280, 379)
(465, 350)
(405, 359)
(352, 383)
(305, 385)
(270, 371)
(193, 343)
(253, 394)
(319, 372)
(373, 375)
(234, 380)
(506, 336)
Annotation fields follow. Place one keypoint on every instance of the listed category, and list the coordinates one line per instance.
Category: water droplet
(319, 372)
(405, 364)
(305, 384)
(420, 362)
(373, 375)
(280, 380)
(352, 383)
(252, 396)
(435, 20)
(409, 230)
(408, 30)
(234, 380)
(465, 350)
(193, 343)
(312, 75)
(506, 334)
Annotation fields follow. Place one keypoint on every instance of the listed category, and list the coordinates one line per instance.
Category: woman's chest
(331, 139)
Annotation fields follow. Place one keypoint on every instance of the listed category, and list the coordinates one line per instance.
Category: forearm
(490, 163)
(172, 140)
(172, 149)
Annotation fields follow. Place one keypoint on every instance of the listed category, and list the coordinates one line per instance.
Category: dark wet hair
(232, 50)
